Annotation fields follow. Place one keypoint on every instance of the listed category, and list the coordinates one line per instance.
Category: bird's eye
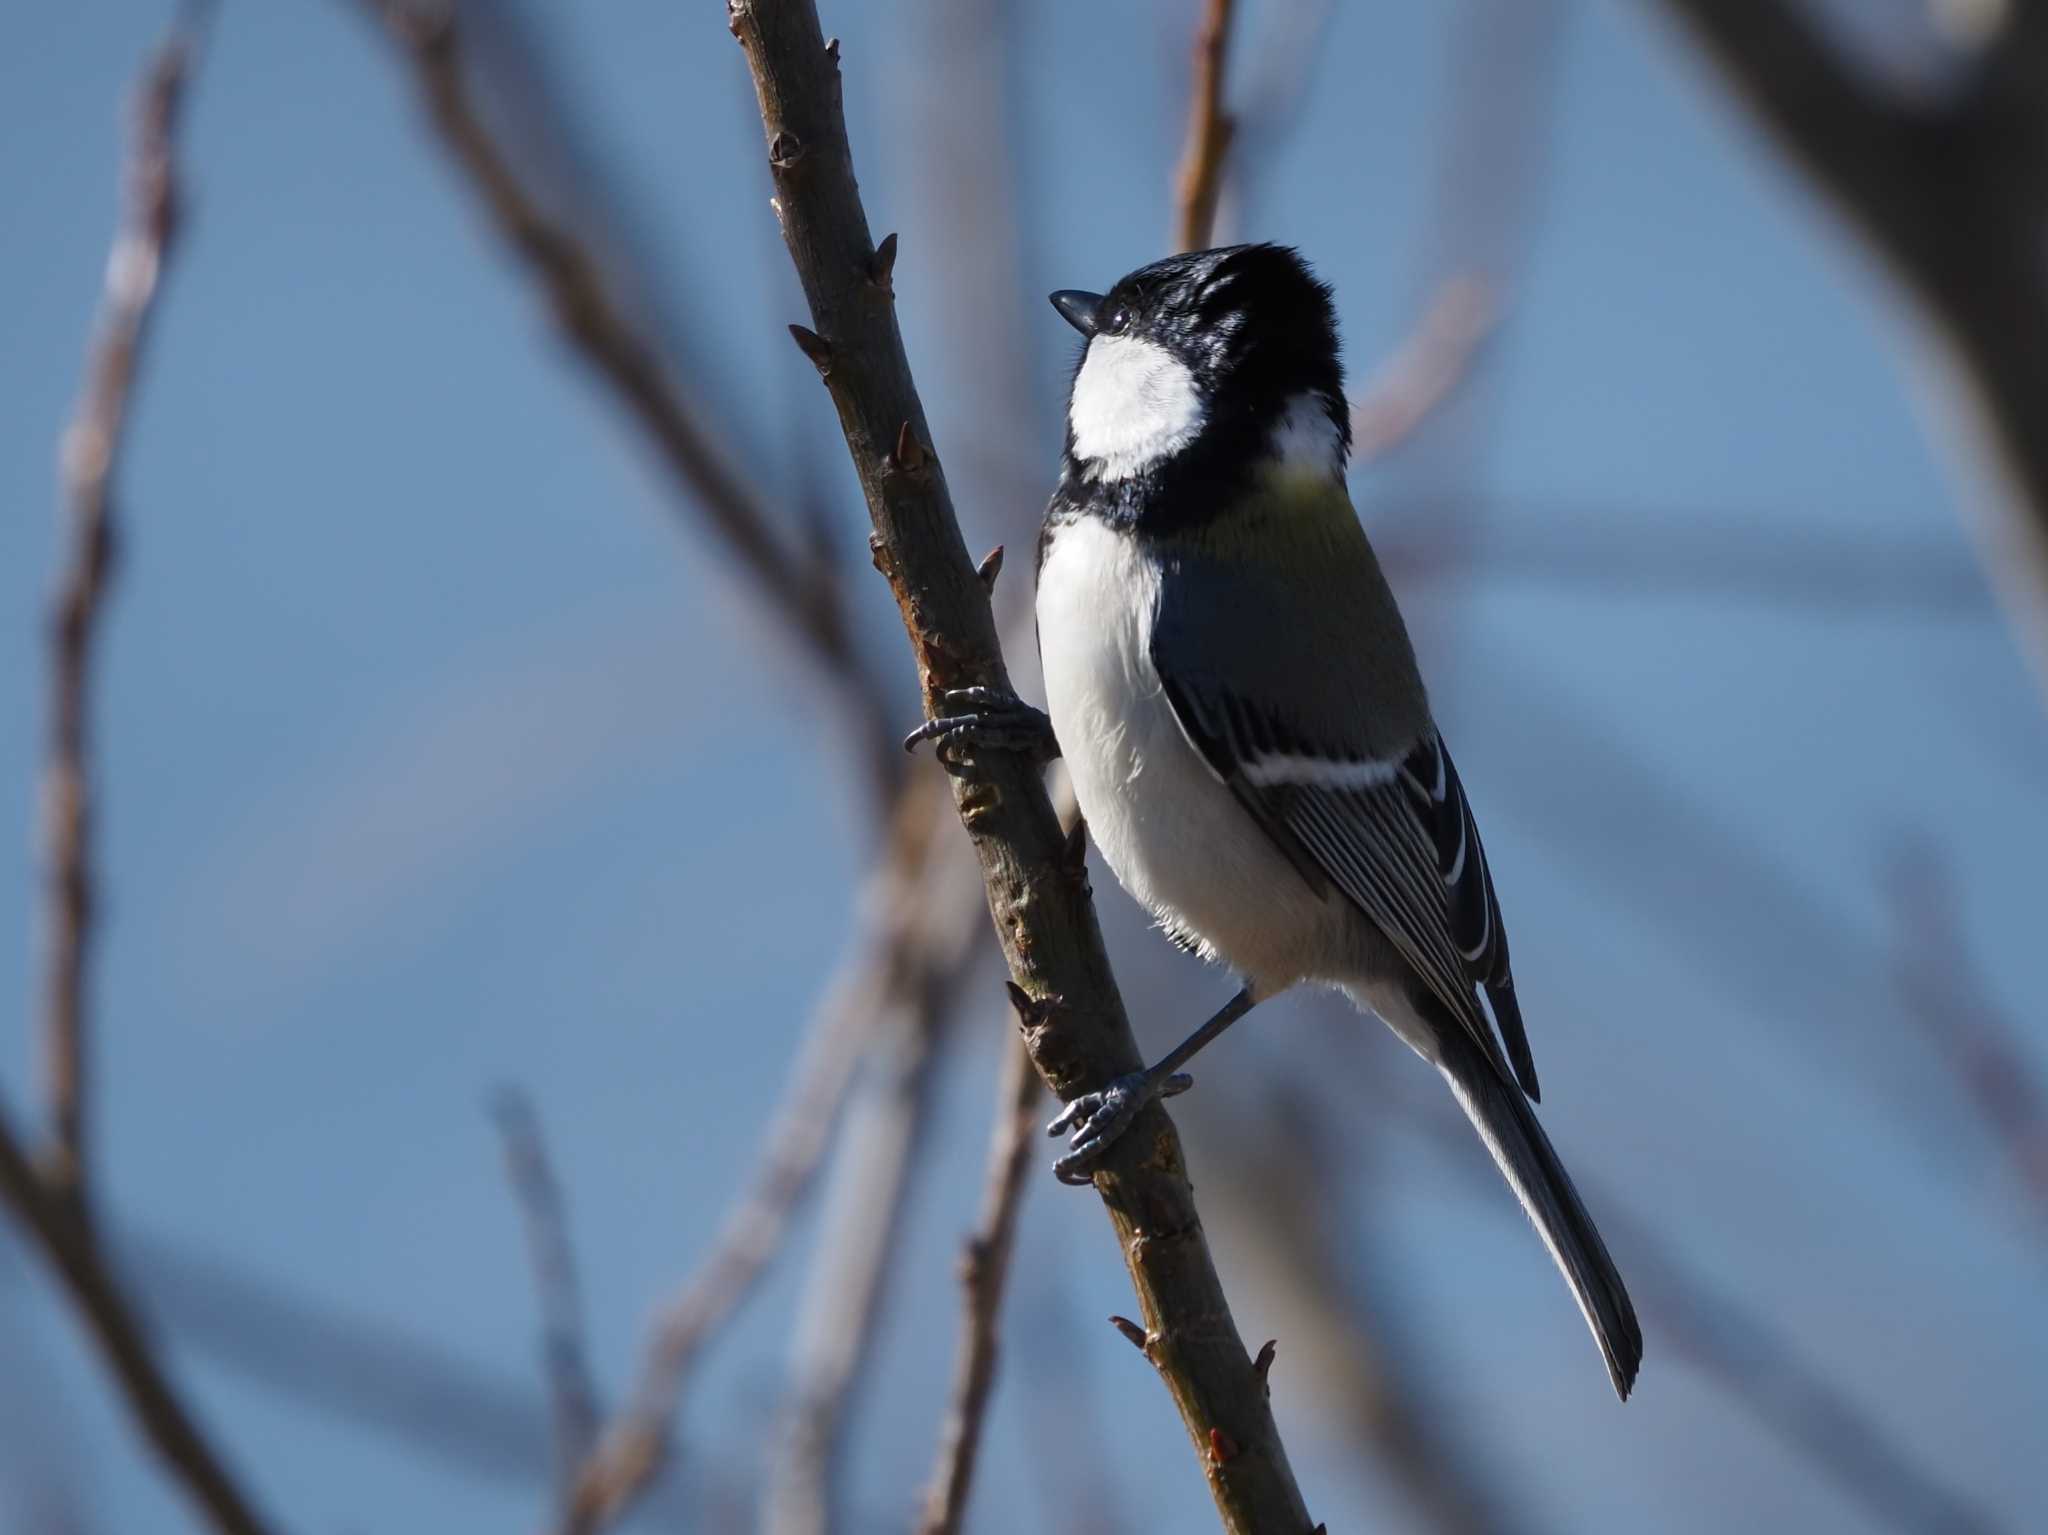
(1119, 320)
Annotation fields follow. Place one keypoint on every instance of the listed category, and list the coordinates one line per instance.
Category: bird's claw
(987, 718)
(1099, 1119)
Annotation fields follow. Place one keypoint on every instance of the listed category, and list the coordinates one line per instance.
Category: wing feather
(1401, 845)
(1265, 656)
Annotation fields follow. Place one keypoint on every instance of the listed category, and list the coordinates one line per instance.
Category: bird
(1235, 695)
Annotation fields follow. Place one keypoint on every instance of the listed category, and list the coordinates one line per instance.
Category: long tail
(1523, 1153)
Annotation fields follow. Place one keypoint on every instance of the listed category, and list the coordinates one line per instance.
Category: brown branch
(803, 592)
(1953, 198)
(984, 1267)
(1199, 181)
(572, 1400)
(634, 1446)
(52, 1204)
(69, 1245)
(1417, 379)
(90, 458)
(1077, 1031)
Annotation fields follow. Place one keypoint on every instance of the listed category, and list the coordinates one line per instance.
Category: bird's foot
(990, 719)
(1098, 1119)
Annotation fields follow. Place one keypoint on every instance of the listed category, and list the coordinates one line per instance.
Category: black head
(1195, 367)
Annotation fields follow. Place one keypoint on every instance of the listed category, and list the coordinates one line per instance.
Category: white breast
(1170, 830)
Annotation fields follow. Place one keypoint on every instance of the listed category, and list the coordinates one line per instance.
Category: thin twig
(1417, 379)
(572, 1399)
(803, 593)
(1199, 181)
(984, 1268)
(53, 1203)
(1078, 1032)
(75, 1253)
(1952, 195)
(90, 458)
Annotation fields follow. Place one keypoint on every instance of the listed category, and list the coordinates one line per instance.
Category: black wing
(1395, 836)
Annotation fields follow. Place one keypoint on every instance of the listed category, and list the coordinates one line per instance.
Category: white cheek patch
(1134, 403)
(1306, 440)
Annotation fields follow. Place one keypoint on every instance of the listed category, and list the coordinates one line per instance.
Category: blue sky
(439, 751)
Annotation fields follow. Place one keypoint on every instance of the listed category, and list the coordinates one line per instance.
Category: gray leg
(1097, 1119)
(987, 718)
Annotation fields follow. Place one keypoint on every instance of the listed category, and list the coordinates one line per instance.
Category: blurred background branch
(565, 1367)
(1199, 181)
(53, 1202)
(1952, 194)
(804, 592)
(984, 1275)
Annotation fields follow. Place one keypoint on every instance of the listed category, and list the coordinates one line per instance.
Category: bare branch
(53, 1204)
(1199, 181)
(90, 458)
(572, 1400)
(984, 1267)
(1078, 1034)
(1417, 379)
(1953, 198)
(804, 593)
(70, 1247)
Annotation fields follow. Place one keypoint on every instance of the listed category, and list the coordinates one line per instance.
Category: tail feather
(1521, 1150)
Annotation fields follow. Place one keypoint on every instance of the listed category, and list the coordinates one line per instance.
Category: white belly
(1171, 832)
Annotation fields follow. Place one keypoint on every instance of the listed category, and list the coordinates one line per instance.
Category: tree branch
(90, 457)
(53, 1203)
(1076, 1028)
(572, 1400)
(1199, 181)
(70, 1247)
(1429, 365)
(1954, 199)
(801, 590)
(984, 1268)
